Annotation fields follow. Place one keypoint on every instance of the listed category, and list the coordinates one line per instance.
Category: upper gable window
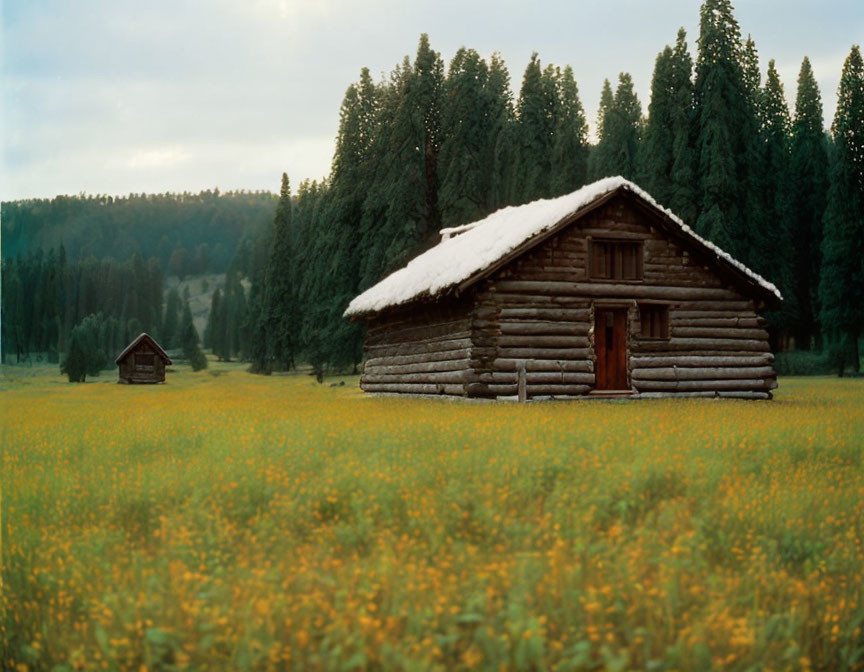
(616, 260)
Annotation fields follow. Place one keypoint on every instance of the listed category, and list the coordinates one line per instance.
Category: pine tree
(600, 162)
(774, 138)
(620, 130)
(656, 152)
(534, 136)
(191, 350)
(756, 239)
(808, 184)
(683, 200)
(666, 157)
(278, 327)
(841, 289)
(214, 336)
(626, 129)
(75, 364)
(502, 126)
(401, 214)
(722, 119)
(465, 149)
(570, 147)
(171, 320)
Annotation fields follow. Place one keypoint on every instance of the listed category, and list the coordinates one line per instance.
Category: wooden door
(610, 346)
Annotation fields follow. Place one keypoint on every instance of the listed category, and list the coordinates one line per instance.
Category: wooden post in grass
(523, 394)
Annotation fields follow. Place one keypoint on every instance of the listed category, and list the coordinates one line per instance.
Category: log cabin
(143, 361)
(600, 293)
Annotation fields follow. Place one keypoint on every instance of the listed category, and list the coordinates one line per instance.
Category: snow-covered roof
(465, 251)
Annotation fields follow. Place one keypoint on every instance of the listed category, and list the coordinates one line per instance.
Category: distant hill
(190, 234)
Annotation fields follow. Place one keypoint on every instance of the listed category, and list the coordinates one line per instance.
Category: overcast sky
(117, 97)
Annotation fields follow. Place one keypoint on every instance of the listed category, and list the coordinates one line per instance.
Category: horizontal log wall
(537, 312)
(423, 349)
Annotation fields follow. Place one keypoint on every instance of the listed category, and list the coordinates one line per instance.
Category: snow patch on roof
(466, 250)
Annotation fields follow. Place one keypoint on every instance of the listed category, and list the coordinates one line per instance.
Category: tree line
(431, 147)
(88, 311)
(189, 234)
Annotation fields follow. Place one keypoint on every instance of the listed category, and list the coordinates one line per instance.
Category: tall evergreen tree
(191, 348)
(656, 152)
(774, 139)
(468, 145)
(401, 215)
(808, 184)
(600, 160)
(722, 117)
(535, 132)
(621, 131)
(171, 320)
(503, 127)
(277, 329)
(666, 157)
(214, 335)
(570, 147)
(756, 237)
(841, 289)
(76, 363)
(683, 200)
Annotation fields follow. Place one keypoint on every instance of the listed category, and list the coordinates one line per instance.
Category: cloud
(128, 96)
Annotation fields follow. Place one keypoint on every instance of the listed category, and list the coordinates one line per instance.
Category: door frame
(624, 307)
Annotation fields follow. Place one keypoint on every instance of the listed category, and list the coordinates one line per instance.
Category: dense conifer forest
(437, 144)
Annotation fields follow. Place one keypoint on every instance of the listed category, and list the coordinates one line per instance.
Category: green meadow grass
(226, 521)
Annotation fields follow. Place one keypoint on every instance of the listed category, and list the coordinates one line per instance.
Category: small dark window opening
(144, 362)
(616, 260)
(654, 320)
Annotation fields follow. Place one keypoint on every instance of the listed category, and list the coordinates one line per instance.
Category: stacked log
(419, 350)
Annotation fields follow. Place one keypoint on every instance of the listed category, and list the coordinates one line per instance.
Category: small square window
(616, 260)
(654, 320)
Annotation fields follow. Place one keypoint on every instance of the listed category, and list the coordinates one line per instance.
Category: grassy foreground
(240, 522)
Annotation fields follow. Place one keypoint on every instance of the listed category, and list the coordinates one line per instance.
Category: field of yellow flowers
(234, 522)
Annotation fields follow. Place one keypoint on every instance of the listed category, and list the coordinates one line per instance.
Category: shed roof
(143, 337)
(468, 253)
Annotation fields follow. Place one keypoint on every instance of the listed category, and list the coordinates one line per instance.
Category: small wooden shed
(143, 361)
(602, 292)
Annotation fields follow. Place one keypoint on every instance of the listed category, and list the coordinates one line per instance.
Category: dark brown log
(537, 377)
(579, 366)
(413, 388)
(420, 367)
(423, 377)
(544, 353)
(438, 356)
(714, 373)
(694, 385)
(537, 390)
(540, 341)
(716, 344)
(614, 290)
(709, 308)
(721, 394)
(744, 395)
(663, 361)
(572, 314)
(545, 328)
(417, 348)
(720, 332)
(748, 322)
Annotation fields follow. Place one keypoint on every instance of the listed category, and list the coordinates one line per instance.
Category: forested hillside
(189, 234)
